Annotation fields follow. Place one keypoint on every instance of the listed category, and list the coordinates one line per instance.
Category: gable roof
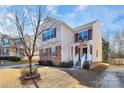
(90, 24)
(66, 25)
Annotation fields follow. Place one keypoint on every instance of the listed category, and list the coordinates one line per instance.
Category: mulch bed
(88, 77)
(28, 80)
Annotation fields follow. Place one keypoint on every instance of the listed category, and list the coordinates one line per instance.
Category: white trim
(62, 40)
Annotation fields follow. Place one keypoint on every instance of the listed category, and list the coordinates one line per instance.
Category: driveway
(112, 77)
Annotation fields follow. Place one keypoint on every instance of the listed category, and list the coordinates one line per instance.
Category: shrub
(25, 71)
(14, 58)
(3, 58)
(45, 63)
(42, 62)
(66, 64)
(11, 58)
(49, 63)
(86, 65)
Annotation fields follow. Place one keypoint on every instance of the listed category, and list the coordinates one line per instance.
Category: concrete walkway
(113, 77)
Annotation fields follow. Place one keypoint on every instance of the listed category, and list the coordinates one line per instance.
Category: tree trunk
(35, 83)
(30, 65)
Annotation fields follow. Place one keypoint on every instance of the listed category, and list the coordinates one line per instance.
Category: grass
(54, 78)
(26, 61)
(50, 78)
(88, 77)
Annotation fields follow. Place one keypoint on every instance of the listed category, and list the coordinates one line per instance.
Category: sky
(111, 17)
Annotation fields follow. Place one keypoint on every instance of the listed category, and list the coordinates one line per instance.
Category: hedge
(50, 63)
(46, 63)
(11, 58)
(66, 64)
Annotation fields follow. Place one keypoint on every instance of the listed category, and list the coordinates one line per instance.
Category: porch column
(73, 50)
(88, 52)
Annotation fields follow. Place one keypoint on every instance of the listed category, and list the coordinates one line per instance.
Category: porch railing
(75, 60)
(85, 57)
(83, 60)
(89, 57)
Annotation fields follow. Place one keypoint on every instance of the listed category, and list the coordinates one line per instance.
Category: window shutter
(76, 37)
(50, 51)
(91, 49)
(90, 34)
(58, 51)
(54, 32)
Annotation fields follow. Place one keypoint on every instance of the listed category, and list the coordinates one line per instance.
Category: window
(83, 36)
(51, 33)
(17, 50)
(5, 51)
(5, 41)
(18, 42)
(53, 51)
(44, 52)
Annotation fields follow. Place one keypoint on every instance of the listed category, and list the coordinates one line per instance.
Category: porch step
(78, 63)
(77, 67)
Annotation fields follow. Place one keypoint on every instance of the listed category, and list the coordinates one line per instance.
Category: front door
(85, 50)
(77, 51)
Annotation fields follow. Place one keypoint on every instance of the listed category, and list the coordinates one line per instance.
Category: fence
(117, 61)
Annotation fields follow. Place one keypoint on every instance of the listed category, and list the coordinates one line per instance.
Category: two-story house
(63, 43)
(11, 46)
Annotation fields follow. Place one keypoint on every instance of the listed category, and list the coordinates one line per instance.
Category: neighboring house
(63, 43)
(11, 46)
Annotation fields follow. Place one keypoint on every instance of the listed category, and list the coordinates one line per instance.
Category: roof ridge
(92, 22)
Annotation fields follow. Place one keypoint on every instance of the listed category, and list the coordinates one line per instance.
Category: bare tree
(34, 18)
(119, 43)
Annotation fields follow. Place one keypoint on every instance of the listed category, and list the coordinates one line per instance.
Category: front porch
(81, 53)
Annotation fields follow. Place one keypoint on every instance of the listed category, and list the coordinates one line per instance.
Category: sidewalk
(14, 66)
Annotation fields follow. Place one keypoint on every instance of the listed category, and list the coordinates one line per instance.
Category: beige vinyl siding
(97, 43)
(53, 40)
(68, 38)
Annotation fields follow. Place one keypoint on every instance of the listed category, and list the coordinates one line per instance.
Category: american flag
(82, 42)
